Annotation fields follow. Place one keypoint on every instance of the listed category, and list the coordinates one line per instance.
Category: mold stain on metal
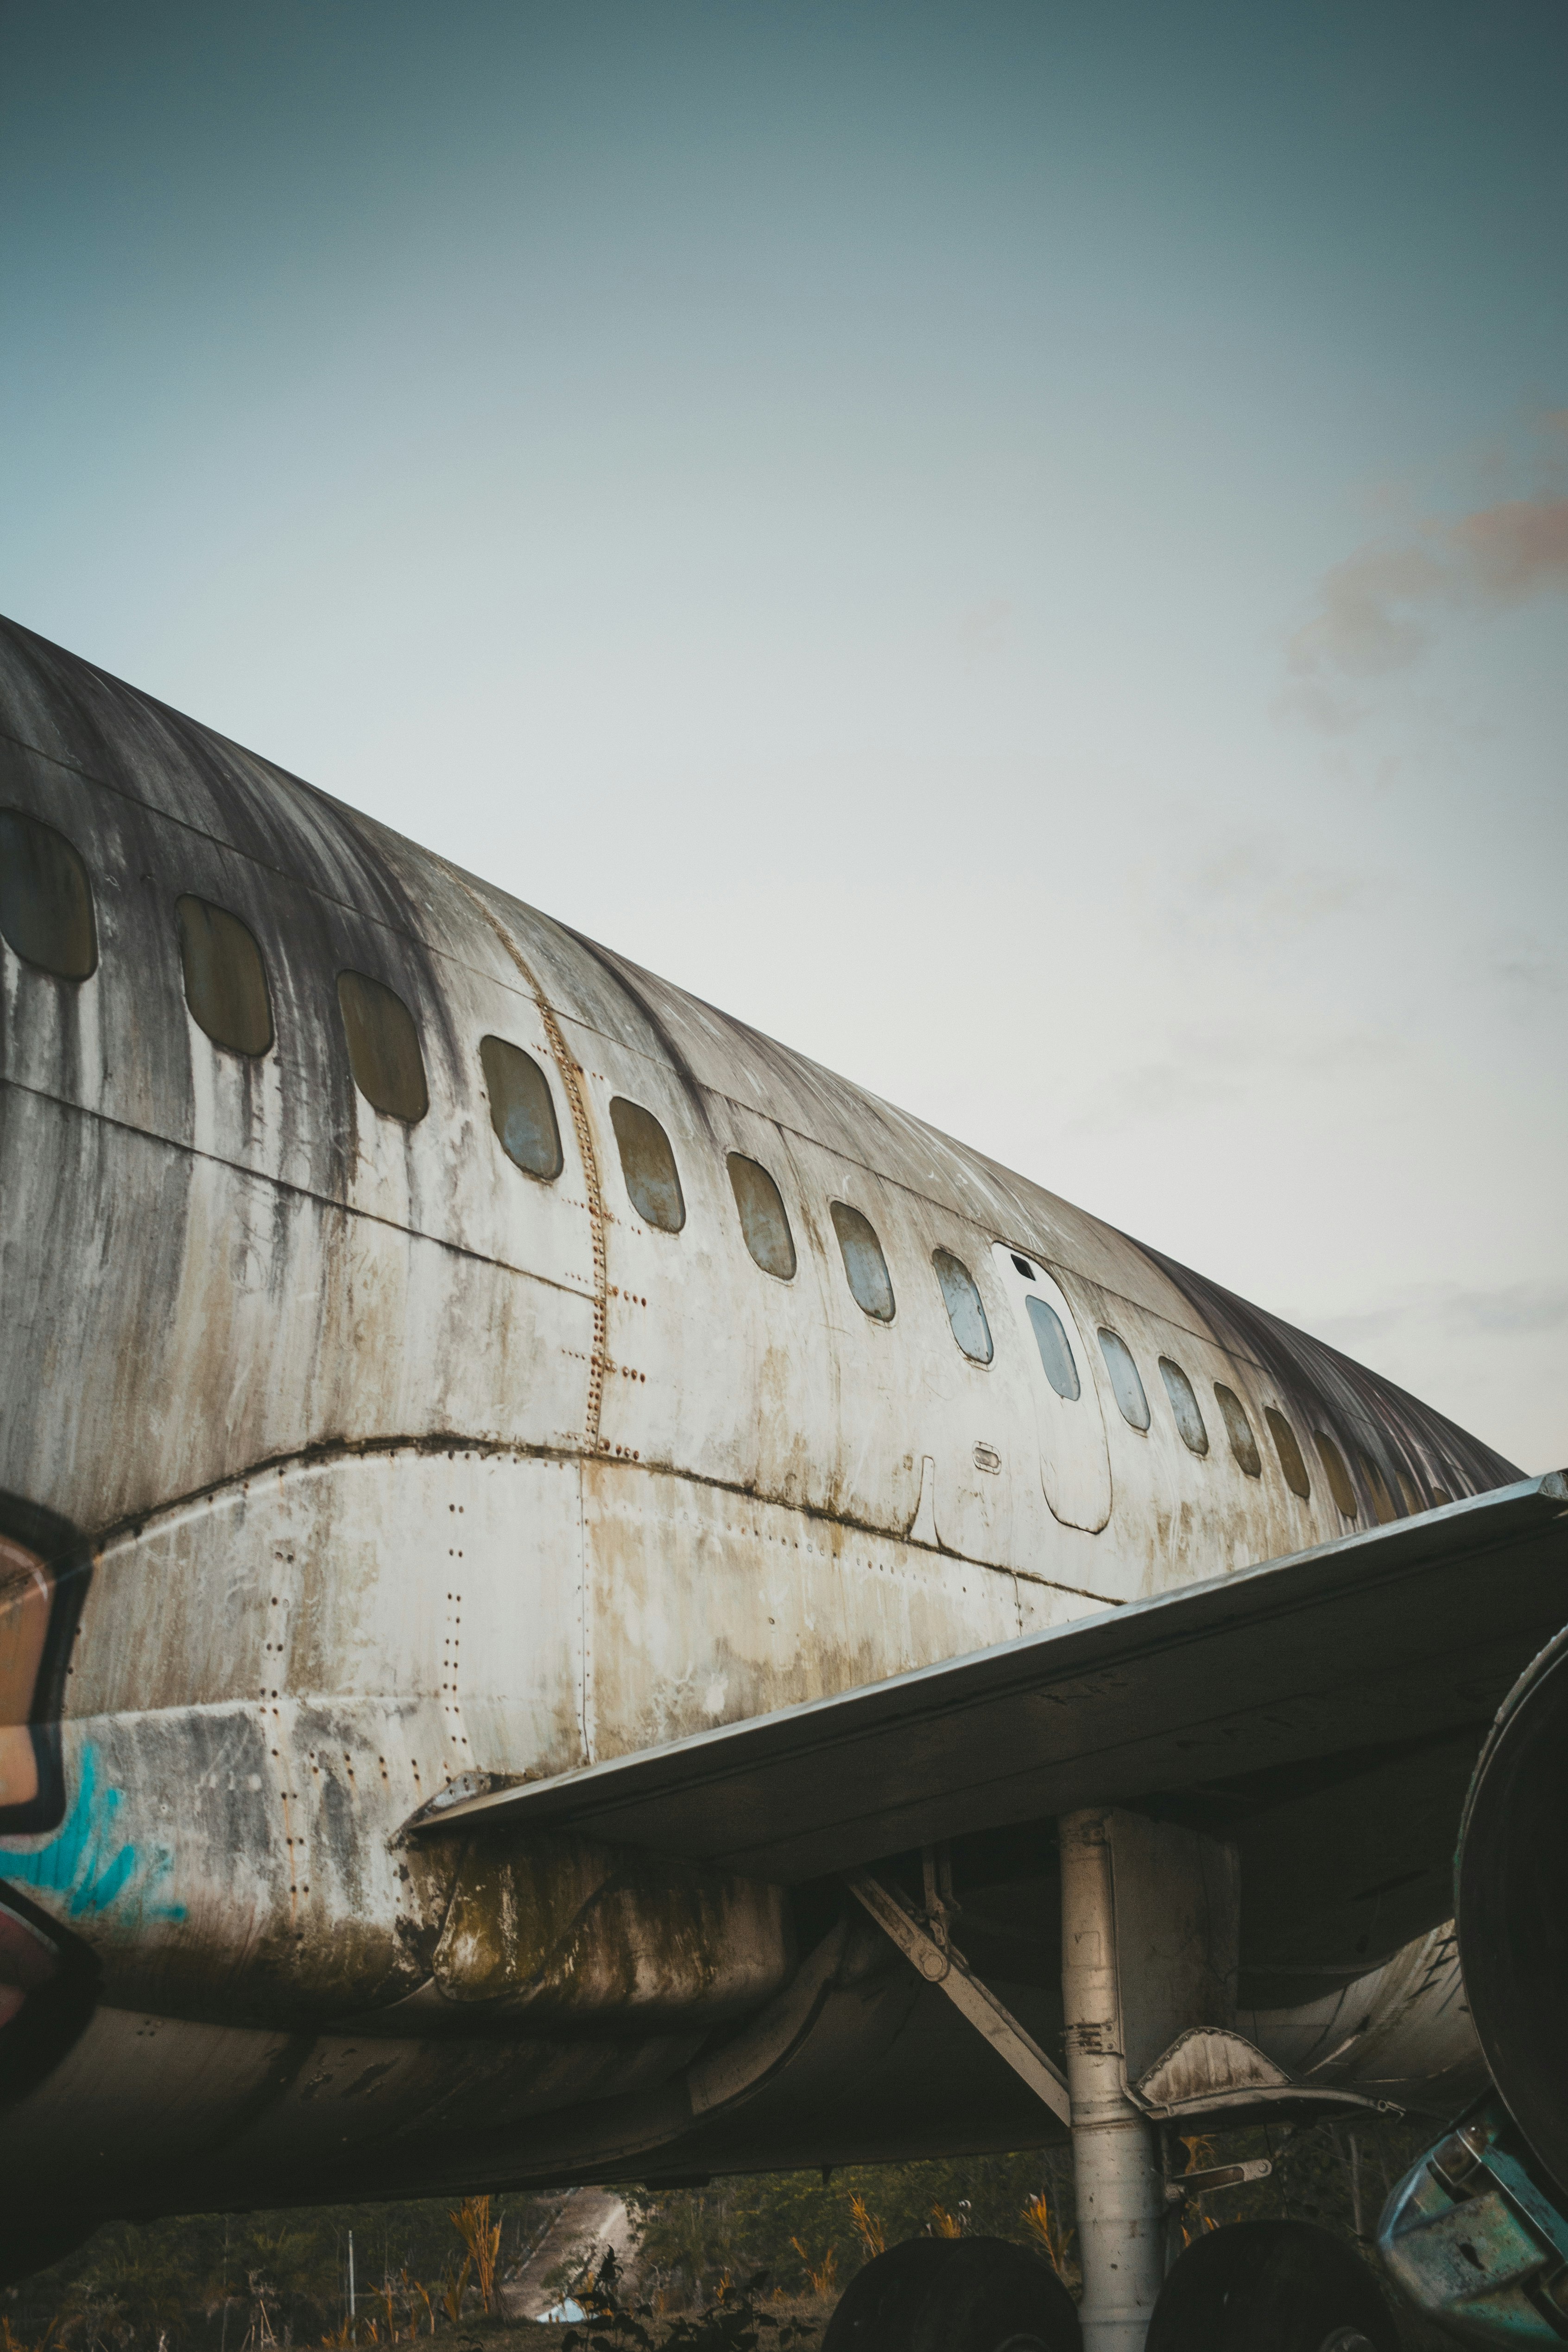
(337, 1304)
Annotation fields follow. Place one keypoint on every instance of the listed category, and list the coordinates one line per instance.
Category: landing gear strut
(1120, 2194)
(1150, 1950)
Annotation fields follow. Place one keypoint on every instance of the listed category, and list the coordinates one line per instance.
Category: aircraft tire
(1271, 2286)
(876, 2310)
(995, 2296)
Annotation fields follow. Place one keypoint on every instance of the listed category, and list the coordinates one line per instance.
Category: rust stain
(572, 1080)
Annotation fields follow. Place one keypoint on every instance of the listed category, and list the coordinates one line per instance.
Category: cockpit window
(1290, 1452)
(763, 1219)
(965, 1307)
(225, 980)
(46, 898)
(1184, 1410)
(647, 1163)
(1056, 1349)
(1239, 1429)
(1125, 1385)
(864, 1265)
(521, 1112)
(384, 1047)
(1333, 1461)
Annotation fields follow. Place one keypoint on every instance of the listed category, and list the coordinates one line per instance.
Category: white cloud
(1378, 611)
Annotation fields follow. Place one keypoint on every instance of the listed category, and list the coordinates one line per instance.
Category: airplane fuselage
(471, 1358)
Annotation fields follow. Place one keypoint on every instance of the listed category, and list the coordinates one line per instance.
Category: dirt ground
(542, 2335)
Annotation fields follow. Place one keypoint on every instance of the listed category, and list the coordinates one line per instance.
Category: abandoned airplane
(584, 1600)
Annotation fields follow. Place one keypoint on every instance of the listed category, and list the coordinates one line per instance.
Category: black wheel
(876, 2310)
(1271, 2286)
(995, 2296)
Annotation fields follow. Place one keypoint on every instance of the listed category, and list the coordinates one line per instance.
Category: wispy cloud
(1255, 888)
(985, 628)
(1510, 1308)
(1377, 611)
(1525, 964)
(1204, 1070)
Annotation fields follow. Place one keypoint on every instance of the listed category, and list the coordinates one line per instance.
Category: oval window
(1290, 1452)
(1333, 1461)
(1125, 1384)
(522, 1112)
(647, 1163)
(965, 1307)
(1239, 1429)
(1382, 1502)
(1184, 1410)
(763, 1219)
(384, 1047)
(864, 1263)
(1055, 1351)
(46, 898)
(225, 980)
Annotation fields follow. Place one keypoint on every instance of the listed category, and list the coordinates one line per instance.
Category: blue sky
(1021, 548)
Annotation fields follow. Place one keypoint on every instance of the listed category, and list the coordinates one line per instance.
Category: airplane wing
(1380, 1642)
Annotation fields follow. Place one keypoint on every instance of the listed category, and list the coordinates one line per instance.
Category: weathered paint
(395, 1468)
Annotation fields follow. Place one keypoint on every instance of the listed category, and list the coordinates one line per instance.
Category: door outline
(1074, 1458)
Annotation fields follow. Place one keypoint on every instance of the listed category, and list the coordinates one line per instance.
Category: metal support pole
(1121, 2199)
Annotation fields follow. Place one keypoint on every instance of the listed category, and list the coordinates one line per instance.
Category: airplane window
(384, 1047)
(863, 1262)
(1408, 1494)
(1126, 1386)
(1239, 1429)
(46, 898)
(763, 1219)
(225, 980)
(965, 1307)
(1333, 1461)
(521, 1112)
(1055, 1351)
(1185, 1407)
(1382, 1502)
(647, 1163)
(26, 1592)
(1290, 1452)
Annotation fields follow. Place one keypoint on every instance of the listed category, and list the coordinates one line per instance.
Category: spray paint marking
(88, 1866)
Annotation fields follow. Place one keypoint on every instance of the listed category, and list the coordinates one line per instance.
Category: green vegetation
(745, 2257)
(243, 2282)
(811, 2234)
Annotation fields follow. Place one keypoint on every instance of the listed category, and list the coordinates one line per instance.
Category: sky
(1021, 550)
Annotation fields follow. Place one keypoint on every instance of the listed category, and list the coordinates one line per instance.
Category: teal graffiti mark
(85, 1862)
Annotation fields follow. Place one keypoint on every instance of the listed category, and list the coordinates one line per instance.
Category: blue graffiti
(87, 1864)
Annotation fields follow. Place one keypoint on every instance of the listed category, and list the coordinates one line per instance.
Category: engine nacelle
(1513, 1903)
